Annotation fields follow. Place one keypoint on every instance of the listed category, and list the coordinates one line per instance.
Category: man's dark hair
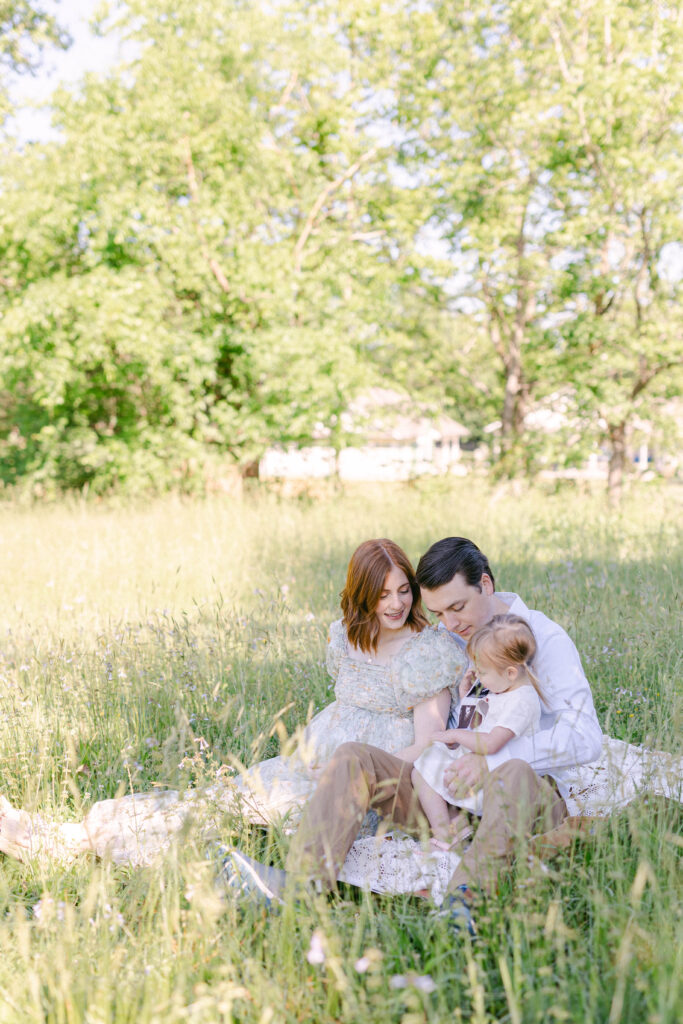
(451, 556)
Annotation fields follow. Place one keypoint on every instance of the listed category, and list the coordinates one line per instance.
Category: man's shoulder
(544, 628)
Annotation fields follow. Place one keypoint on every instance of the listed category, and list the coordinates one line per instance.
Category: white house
(397, 440)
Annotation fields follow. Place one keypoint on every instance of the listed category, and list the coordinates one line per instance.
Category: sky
(87, 53)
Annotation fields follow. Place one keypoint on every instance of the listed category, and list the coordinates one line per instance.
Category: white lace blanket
(623, 772)
(137, 829)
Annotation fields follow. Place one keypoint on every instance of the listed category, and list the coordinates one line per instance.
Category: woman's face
(395, 601)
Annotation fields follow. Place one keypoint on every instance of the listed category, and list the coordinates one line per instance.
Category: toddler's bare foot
(453, 840)
(439, 844)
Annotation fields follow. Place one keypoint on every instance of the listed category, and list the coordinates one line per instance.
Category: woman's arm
(429, 716)
(477, 742)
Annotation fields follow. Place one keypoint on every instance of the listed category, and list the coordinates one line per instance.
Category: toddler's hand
(466, 683)
(444, 736)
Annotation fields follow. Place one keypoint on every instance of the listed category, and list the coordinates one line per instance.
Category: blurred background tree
(548, 140)
(268, 209)
(619, 176)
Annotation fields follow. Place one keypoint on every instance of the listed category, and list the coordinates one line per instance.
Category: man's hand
(466, 774)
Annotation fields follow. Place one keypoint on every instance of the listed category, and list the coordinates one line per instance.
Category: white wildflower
(316, 950)
(46, 908)
(424, 982)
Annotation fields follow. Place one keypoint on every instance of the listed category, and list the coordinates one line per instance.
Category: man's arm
(548, 750)
(569, 742)
(575, 736)
(429, 716)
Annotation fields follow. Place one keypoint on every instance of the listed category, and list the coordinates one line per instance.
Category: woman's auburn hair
(365, 577)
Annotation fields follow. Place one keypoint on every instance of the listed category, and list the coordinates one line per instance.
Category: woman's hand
(466, 683)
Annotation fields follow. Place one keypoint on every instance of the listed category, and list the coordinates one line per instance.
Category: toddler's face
(494, 679)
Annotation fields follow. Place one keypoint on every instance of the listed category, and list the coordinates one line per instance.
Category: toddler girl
(501, 652)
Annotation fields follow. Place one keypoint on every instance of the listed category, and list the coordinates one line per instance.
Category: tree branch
(331, 187)
(289, 88)
(644, 275)
(213, 263)
(559, 51)
(645, 377)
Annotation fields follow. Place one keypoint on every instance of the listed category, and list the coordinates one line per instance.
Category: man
(523, 784)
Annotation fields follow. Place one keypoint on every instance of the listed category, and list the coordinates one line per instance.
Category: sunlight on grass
(129, 633)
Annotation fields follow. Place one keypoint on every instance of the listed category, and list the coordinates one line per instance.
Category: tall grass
(129, 634)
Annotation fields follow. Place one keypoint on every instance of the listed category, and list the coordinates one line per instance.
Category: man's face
(461, 608)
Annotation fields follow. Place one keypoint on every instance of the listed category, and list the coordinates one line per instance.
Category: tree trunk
(510, 419)
(514, 400)
(617, 461)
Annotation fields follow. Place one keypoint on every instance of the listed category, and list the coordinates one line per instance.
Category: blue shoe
(369, 824)
(457, 913)
(252, 880)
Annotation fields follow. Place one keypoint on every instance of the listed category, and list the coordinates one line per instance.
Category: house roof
(384, 415)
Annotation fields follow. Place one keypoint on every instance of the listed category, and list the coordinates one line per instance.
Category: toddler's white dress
(518, 710)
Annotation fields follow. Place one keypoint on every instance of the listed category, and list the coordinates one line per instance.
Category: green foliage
(622, 92)
(97, 373)
(552, 140)
(220, 179)
(477, 205)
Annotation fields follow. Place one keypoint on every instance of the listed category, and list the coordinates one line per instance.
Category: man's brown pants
(517, 803)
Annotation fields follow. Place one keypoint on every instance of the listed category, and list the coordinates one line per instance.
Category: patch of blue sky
(88, 52)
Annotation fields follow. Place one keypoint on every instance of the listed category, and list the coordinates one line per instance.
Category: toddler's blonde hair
(504, 641)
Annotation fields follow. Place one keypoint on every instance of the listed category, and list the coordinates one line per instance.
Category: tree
(472, 202)
(221, 183)
(474, 104)
(619, 170)
(546, 144)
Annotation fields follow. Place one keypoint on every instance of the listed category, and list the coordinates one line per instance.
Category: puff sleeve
(427, 664)
(517, 710)
(336, 648)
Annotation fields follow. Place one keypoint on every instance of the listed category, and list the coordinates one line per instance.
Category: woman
(393, 677)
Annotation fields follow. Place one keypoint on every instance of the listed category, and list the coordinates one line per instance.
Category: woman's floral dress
(374, 704)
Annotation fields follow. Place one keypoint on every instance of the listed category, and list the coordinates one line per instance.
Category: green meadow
(154, 644)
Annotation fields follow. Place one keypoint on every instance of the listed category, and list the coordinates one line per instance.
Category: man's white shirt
(569, 733)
